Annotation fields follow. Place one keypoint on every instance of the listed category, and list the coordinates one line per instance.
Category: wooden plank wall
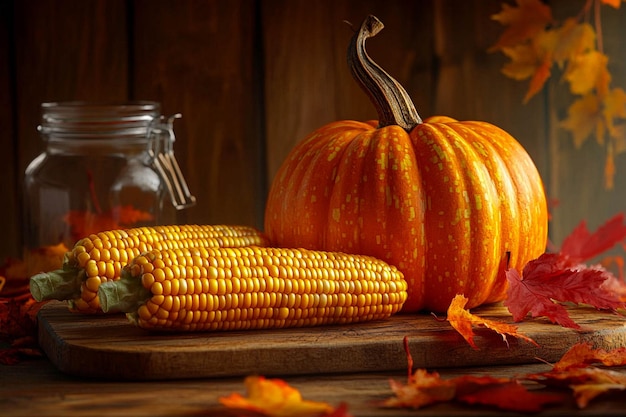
(252, 77)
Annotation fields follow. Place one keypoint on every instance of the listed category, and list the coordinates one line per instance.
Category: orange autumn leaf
(584, 393)
(523, 22)
(274, 398)
(587, 382)
(583, 354)
(613, 3)
(541, 75)
(463, 322)
(423, 388)
(15, 273)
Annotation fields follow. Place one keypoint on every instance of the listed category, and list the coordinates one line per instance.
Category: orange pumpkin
(444, 201)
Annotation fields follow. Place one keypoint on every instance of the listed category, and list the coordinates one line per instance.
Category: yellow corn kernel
(253, 287)
(100, 257)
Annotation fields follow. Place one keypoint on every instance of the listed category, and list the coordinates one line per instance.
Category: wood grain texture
(109, 347)
(36, 388)
(10, 226)
(469, 84)
(64, 50)
(197, 58)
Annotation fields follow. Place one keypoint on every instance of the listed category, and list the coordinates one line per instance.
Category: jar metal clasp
(161, 137)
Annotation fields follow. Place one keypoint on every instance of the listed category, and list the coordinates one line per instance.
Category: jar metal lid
(77, 119)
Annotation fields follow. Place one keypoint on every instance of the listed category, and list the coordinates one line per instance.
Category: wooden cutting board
(110, 347)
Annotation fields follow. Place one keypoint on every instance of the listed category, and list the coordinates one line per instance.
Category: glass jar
(104, 167)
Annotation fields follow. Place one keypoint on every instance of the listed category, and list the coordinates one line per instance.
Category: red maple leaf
(424, 388)
(582, 245)
(549, 280)
(18, 328)
(556, 278)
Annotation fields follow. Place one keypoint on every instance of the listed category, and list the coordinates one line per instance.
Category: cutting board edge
(445, 349)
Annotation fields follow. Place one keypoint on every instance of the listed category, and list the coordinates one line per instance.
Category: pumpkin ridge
(374, 199)
(459, 189)
(522, 239)
(308, 161)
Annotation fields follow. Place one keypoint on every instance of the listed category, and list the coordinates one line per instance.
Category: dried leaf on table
(18, 328)
(425, 388)
(463, 321)
(275, 398)
(583, 354)
(18, 310)
(586, 382)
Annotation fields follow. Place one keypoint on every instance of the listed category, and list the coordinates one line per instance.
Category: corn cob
(251, 288)
(100, 258)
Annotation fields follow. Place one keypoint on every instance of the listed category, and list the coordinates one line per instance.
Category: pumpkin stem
(393, 104)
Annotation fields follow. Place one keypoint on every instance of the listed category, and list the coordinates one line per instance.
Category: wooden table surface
(34, 387)
(37, 387)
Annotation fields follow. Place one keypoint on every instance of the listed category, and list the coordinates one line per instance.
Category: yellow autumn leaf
(523, 22)
(274, 398)
(619, 139)
(524, 61)
(603, 82)
(614, 107)
(572, 39)
(585, 71)
(583, 117)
